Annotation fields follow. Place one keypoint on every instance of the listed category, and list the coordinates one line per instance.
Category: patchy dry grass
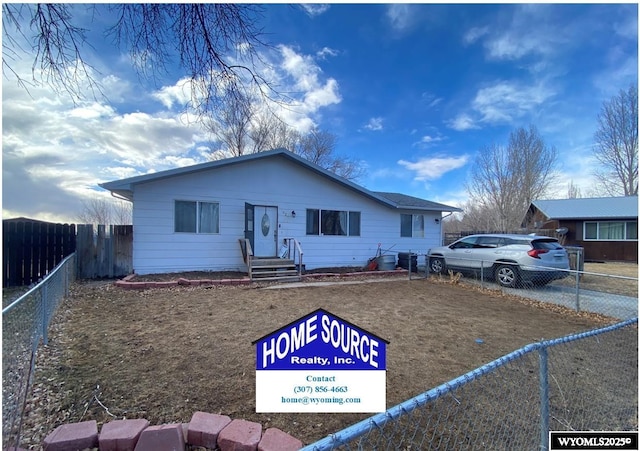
(163, 354)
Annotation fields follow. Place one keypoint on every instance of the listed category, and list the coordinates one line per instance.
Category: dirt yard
(163, 354)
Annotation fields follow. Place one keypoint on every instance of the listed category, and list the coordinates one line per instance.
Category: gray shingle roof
(125, 187)
(591, 208)
(414, 203)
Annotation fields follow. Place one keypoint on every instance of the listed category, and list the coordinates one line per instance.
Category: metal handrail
(297, 249)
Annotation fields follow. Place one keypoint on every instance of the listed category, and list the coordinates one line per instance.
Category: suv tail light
(535, 253)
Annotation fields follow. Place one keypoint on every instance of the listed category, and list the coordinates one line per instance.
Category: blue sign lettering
(320, 340)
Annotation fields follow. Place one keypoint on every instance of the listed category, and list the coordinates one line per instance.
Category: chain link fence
(610, 295)
(24, 324)
(586, 381)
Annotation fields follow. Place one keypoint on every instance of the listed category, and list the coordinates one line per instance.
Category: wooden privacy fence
(31, 249)
(105, 252)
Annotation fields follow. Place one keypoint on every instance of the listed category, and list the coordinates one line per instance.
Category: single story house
(193, 218)
(606, 227)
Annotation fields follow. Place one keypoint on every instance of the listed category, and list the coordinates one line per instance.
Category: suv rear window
(550, 244)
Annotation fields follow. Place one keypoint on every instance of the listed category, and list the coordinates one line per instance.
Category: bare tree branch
(98, 210)
(58, 61)
(616, 144)
(505, 180)
(216, 45)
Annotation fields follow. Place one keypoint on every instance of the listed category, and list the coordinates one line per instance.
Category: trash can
(406, 258)
(386, 262)
(576, 257)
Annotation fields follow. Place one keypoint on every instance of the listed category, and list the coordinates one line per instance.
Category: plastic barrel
(405, 257)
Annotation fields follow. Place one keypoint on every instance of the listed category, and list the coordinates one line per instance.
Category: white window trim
(197, 202)
(413, 217)
(584, 231)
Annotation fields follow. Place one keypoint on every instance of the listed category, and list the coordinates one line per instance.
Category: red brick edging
(211, 431)
(128, 284)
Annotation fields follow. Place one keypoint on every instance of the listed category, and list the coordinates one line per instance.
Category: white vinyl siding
(276, 182)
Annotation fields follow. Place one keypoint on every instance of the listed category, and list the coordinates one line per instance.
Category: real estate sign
(320, 363)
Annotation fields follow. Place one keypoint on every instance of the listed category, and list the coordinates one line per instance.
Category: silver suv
(509, 259)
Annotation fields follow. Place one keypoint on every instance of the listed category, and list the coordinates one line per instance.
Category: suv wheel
(436, 265)
(507, 276)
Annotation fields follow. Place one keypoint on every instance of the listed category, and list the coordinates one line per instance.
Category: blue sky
(412, 91)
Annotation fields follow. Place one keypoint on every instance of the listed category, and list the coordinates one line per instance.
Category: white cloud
(401, 16)
(294, 73)
(374, 124)
(502, 103)
(305, 74)
(529, 30)
(463, 122)
(427, 169)
(301, 76)
(431, 99)
(627, 27)
(428, 140)
(56, 152)
(475, 33)
(506, 101)
(179, 93)
(315, 9)
(326, 51)
(93, 110)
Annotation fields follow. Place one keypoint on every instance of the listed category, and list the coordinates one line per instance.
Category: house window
(611, 230)
(412, 226)
(333, 222)
(197, 217)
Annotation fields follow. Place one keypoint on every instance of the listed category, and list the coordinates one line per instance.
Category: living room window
(610, 230)
(197, 217)
(333, 222)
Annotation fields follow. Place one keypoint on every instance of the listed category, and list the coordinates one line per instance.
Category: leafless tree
(217, 45)
(504, 180)
(573, 192)
(99, 210)
(231, 126)
(243, 128)
(616, 144)
(271, 132)
(318, 147)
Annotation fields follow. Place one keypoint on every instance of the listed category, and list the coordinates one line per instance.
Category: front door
(265, 231)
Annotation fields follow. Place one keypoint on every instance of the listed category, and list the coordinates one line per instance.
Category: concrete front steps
(210, 431)
(278, 269)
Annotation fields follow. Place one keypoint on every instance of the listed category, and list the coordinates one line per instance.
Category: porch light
(293, 213)
(437, 221)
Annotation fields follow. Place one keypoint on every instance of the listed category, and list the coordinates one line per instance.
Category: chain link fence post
(544, 397)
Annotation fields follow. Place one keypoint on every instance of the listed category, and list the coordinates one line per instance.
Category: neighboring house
(192, 218)
(606, 227)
